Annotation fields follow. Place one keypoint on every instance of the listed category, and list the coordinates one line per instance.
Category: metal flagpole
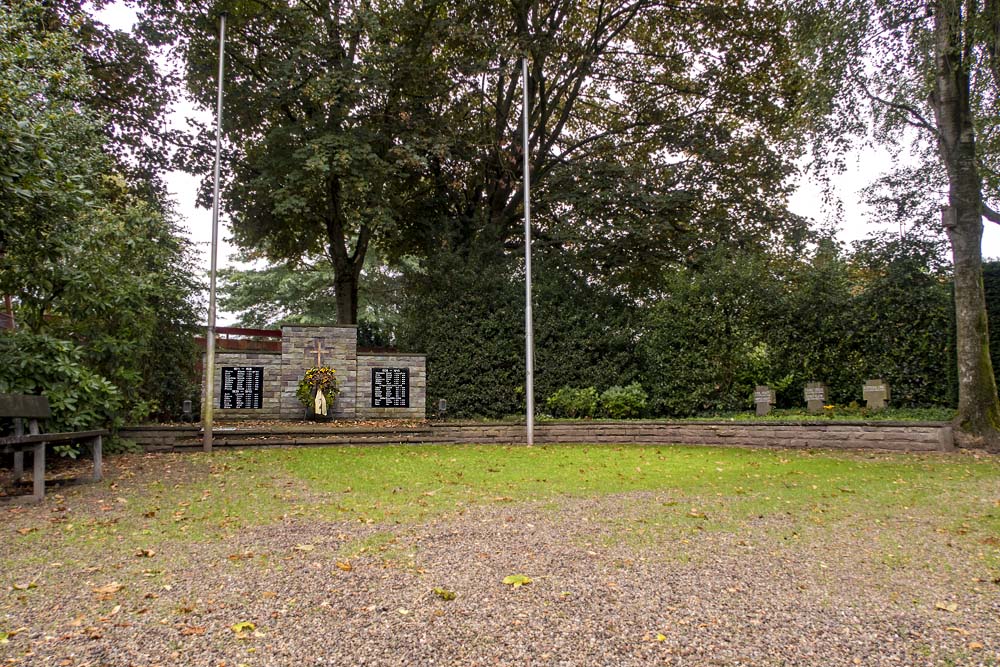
(210, 341)
(529, 336)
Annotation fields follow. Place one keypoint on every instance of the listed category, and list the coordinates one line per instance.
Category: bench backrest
(22, 405)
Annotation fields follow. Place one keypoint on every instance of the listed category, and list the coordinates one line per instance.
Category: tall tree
(87, 261)
(656, 129)
(328, 117)
(926, 69)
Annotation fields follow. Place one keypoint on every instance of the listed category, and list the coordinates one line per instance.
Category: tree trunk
(978, 405)
(346, 287)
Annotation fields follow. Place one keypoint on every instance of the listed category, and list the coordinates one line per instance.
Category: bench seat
(21, 407)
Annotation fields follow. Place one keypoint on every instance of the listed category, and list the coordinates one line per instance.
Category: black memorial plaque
(242, 388)
(390, 387)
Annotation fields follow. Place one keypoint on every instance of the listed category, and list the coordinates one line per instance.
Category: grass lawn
(181, 544)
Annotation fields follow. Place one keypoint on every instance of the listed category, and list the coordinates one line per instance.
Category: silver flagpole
(210, 341)
(529, 336)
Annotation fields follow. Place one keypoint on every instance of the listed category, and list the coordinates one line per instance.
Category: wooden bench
(20, 407)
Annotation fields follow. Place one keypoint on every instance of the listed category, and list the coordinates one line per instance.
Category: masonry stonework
(417, 366)
(271, 403)
(338, 349)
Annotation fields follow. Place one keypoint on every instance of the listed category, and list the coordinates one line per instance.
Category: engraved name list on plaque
(242, 388)
(390, 387)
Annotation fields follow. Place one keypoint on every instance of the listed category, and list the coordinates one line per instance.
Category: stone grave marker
(763, 398)
(815, 394)
(876, 393)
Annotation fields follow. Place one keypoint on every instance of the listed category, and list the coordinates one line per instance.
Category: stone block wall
(271, 398)
(417, 365)
(339, 347)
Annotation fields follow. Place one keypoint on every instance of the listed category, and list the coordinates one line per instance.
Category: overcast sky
(863, 167)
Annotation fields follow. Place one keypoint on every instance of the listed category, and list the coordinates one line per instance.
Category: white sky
(863, 167)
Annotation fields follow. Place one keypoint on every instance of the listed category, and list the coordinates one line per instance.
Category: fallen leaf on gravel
(108, 589)
(961, 631)
(344, 565)
(145, 553)
(193, 630)
(24, 587)
(243, 626)
(444, 593)
(25, 531)
(661, 637)
(975, 646)
(946, 606)
(517, 580)
(242, 556)
(304, 547)
(402, 611)
(269, 594)
(5, 636)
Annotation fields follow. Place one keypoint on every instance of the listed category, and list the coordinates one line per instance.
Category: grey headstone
(763, 398)
(815, 395)
(876, 393)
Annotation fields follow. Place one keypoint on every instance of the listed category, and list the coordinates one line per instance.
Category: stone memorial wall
(262, 384)
(381, 383)
(269, 364)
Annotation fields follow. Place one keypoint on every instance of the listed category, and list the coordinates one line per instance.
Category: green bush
(573, 403)
(38, 364)
(624, 402)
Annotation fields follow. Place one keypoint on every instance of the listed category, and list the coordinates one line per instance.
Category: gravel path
(323, 593)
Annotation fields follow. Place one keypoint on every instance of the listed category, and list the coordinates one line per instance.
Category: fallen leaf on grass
(517, 580)
(145, 553)
(25, 587)
(25, 531)
(946, 606)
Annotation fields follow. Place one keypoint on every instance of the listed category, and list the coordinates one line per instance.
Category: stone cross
(763, 397)
(815, 394)
(876, 393)
(319, 353)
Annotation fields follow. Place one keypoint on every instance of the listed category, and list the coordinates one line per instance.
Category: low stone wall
(896, 436)
(900, 436)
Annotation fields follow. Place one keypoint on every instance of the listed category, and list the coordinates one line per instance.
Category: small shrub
(573, 403)
(623, 402)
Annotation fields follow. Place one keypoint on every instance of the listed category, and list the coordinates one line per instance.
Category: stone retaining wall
(901, 436)
(897, 436)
